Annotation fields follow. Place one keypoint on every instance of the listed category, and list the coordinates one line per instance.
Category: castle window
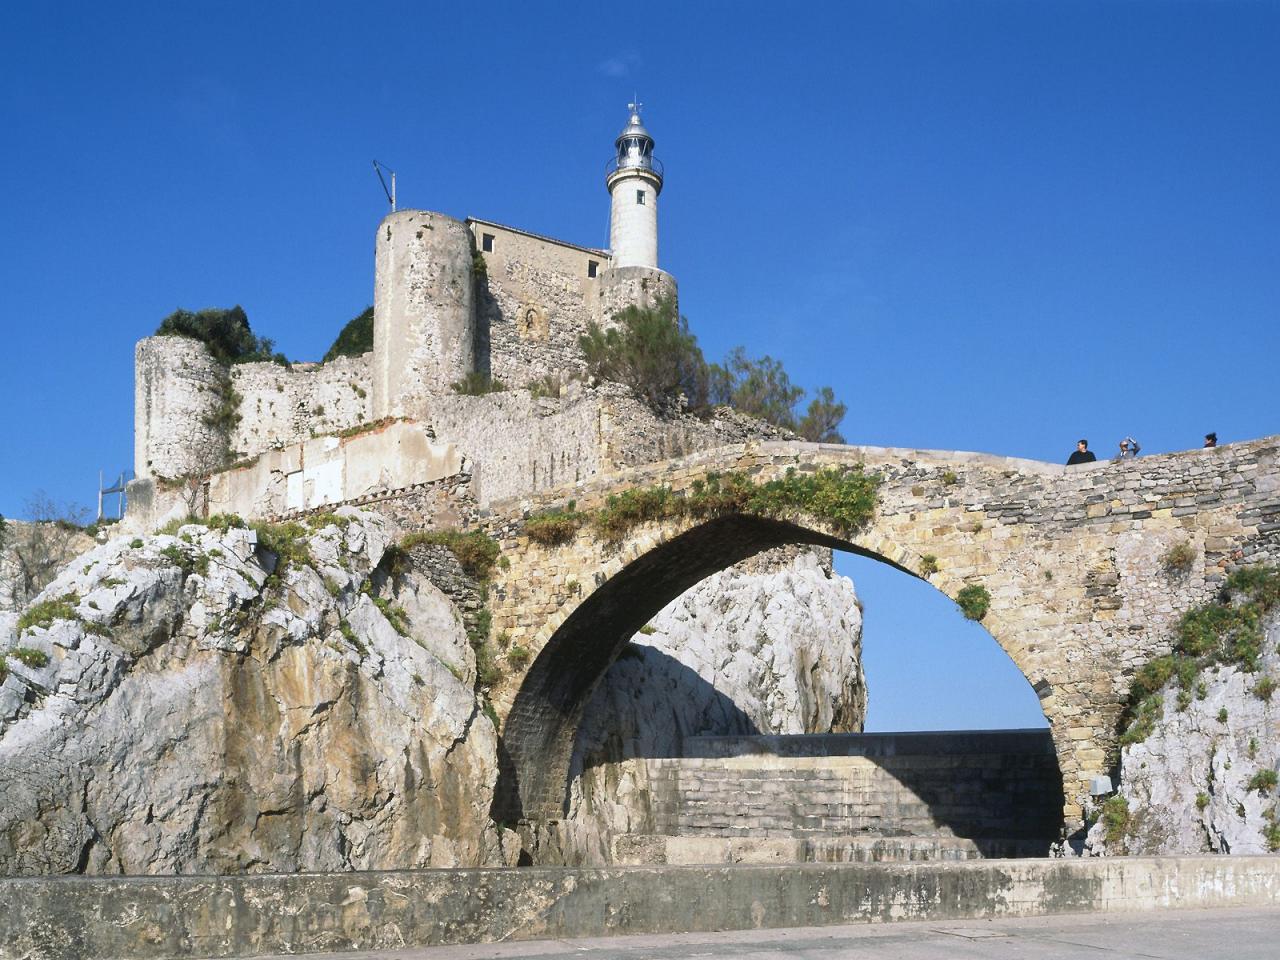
(640, 197)
(486, 242)
(592, 265)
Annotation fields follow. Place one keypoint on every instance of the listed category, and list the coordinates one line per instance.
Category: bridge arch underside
(546, 712)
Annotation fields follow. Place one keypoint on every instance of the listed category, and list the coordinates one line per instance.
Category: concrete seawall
(145, 918)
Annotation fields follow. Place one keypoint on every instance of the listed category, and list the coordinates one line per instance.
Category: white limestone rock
(772, 645)
(206, 712)
(1187, 784)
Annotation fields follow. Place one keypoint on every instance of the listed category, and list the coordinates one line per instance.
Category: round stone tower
(634, 179)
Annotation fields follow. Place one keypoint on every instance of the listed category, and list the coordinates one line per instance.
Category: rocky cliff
(208, 702)
(1204, 778)
(226, 699)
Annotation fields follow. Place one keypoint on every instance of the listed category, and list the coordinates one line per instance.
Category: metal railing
(633, 163)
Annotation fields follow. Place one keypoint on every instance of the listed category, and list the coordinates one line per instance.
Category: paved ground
(1232, 934)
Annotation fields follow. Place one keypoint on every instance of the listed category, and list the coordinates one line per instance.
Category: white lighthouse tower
(634, 179)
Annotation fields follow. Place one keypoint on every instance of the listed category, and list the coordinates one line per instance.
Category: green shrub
(554, 527)
(1264, 781)
(29, 657)
(928, 565)
(355, 339)
(1179, 558)
(974, 601)
(651, 351)
(475, 551)
(395, 616)
(1115, 817)
(477, 384)
(136, 543)
(647, 630)
(1222, 715)
(350, 636)
(43, 614)
(286, 540)
(549, 386)
(188, 562)
(518, 656)
(949, 478)
(1264, 688)
(1202, 800)
(225, 333)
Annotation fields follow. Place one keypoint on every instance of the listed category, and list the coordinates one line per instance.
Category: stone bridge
(1072, 558)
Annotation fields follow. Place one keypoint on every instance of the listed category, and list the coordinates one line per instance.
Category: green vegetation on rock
(225, 333)
(974, 601)
(1227, 631)
(355, 339)
(844, 498)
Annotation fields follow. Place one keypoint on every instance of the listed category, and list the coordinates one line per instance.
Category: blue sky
(989, 226)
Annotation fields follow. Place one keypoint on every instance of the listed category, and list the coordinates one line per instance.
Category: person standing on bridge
(1082, 454)
(1128, 448)
(1210, 439)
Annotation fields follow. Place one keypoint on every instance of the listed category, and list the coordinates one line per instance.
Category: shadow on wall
(646, 706)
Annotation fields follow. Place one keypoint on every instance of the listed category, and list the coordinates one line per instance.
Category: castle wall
(283, 405)
(621, 287)
(423, 319)
(176, 387)
(520, 443)
(536, 303)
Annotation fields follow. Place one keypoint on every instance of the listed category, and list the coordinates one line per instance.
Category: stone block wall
(534, 304)
(1071, 559)
(282, 405)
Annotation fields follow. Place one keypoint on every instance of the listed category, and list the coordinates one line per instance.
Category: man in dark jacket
(1082, 455)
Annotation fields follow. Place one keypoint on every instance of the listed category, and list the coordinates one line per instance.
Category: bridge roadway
(1222, 934)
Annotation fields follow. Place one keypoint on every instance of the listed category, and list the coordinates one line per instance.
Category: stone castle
(451, 299)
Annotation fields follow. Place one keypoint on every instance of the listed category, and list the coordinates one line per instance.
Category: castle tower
(634, 180)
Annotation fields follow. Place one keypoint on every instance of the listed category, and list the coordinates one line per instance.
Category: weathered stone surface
(772, 645)
(1079, 599)
(160, 918)
(206, 712)
(1187, 784)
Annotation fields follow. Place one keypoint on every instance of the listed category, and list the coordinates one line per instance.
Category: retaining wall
(144, 918)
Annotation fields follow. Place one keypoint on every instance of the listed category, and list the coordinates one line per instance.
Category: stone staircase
(855, 797)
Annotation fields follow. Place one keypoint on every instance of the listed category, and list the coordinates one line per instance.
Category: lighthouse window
(486, 242)
(640, 197)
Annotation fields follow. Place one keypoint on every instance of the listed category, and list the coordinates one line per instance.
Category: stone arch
(578, 643)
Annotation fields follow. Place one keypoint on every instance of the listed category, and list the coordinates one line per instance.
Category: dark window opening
(486, 242)
(640, 197)
(592, 265)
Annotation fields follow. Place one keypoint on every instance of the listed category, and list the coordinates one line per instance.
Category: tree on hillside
(758, 388)
(225, 333)
(821, 421)
(355, 339)
(40, 548)
(651, 351)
